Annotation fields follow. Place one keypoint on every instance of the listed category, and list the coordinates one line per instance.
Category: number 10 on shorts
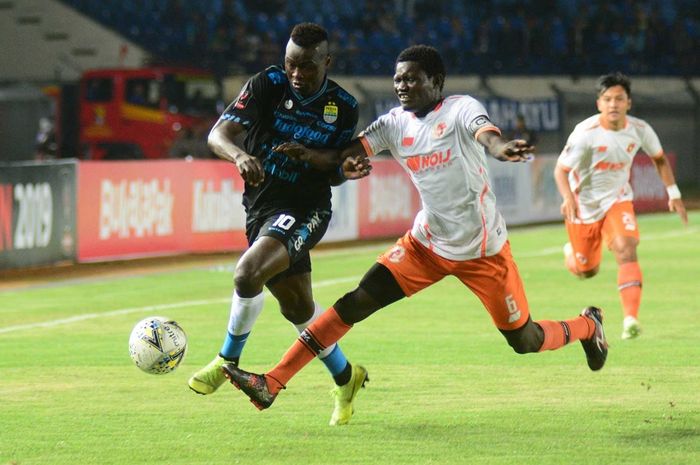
(284, 221)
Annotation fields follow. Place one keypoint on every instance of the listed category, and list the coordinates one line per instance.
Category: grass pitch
(445, 387)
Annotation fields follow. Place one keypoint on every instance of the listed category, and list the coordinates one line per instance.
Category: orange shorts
(587, 239)
(495, 280)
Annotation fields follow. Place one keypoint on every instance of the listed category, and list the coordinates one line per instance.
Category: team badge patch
(288, 104)
(330, 113)
(439, 130)
(396, 254)
(243, 97)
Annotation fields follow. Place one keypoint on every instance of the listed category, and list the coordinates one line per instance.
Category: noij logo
(418, 163)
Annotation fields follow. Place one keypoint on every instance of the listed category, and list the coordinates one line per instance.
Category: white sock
(244, 313)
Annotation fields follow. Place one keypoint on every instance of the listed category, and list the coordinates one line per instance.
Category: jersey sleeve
(650, 142)
(573, 151)
(475, 118)
(252, 101)
(349, 126)
(380, 135)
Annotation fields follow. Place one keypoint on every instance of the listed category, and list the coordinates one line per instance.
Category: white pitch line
(651, 237)
(148, 308)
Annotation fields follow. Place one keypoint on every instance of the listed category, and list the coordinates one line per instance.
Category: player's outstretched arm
(516, 150)
(663, 167)
(351, 168)
(352, 158)
(220, 141)
(356, 167)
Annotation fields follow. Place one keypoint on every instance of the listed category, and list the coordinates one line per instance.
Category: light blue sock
(335, 361)
(233, 346)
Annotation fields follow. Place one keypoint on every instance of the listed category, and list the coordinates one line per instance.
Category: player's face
(415, 90)
(306, 67)
(613, 105)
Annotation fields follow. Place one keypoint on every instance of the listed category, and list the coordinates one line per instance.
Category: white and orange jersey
(458, 219)
(599, 161)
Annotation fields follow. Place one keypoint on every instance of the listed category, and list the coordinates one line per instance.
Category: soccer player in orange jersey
(458, 232)
(592, 175)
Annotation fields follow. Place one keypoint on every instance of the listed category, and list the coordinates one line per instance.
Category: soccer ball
(157, 345)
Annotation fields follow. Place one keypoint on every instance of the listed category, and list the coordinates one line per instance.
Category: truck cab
(138, 113)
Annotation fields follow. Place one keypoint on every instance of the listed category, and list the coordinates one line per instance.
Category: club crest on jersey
(288, 104)
(330, 113)
(439, 130)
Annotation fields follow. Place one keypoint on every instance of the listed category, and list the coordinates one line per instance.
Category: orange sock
(323, 332)
(559, 333)
(629, 283)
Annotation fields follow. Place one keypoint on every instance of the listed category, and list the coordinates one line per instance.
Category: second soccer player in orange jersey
(592, 175)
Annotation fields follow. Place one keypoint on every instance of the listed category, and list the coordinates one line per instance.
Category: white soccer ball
(157, 345)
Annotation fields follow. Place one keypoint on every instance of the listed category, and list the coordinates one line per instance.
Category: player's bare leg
(263, 260)
(571, 263)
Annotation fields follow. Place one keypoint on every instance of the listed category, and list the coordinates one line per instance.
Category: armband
(673, 192)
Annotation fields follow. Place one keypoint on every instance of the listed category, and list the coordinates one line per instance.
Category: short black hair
(614, 79)
(427, 57)
(308, 34)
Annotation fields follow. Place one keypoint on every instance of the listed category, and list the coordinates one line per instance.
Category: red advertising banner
(145, 208)
(649, 192)
(217, 215)
(387, 201)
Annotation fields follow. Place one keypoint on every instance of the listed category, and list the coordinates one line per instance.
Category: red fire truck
(134, 113)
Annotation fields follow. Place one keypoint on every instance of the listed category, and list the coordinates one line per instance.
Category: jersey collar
(606, 126)
(307, 100)
(437, 106)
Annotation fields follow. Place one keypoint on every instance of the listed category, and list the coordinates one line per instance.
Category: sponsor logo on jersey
(307, 230)
(407, 141)
(330, 113)
(602, 148)
(609, 166)
(301, 132)
(349, 99)
(631, 147)
(276, 75)
(433, 160)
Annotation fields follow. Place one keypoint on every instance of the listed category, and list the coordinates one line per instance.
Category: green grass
(445, 387)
